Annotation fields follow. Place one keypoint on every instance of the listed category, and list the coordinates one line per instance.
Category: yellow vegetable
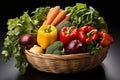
(47, 34)
(36, 49)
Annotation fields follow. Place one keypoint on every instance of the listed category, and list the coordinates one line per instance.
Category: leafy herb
(82, 15)
(25, 24)
(94, 48)
(38, 16)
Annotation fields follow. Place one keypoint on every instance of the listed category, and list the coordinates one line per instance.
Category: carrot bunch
(55, 16)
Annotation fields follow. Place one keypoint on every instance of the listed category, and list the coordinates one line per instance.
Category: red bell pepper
(67, 34)
(88, 34)
(106, 39)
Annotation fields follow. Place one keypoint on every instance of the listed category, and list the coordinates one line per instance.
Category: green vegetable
(63, 24)
(38, 16)
(12, 48)
(81, 15)
(56, 48)
(94, 48)
(16, 28)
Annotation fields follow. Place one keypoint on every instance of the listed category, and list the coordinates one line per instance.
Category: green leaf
(80, 6)
(83, 15)
(16, 28)
(5, 53)
(94, 48)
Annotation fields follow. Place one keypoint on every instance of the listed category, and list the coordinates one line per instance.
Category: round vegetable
(36, 49)
(75, 46)
(27, 40)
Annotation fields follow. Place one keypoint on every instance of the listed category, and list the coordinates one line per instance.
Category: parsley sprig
(25, 24)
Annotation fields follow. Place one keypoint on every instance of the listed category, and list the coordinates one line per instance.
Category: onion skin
(75, 46)
(36, 49)
(27, 40)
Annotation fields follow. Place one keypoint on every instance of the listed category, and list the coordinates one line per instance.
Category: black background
(109, 9)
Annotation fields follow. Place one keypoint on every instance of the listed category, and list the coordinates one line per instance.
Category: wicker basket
(65, 63)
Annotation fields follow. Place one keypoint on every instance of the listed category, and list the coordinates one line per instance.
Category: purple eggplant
(75, 46)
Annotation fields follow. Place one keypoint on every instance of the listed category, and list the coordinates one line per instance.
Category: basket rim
(63, 57)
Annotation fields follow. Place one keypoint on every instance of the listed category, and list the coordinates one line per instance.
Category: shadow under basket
(65, 63)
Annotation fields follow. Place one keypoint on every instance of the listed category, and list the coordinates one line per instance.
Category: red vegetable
(67, 34)
(106, 39)
(87, 34)
(27, 40)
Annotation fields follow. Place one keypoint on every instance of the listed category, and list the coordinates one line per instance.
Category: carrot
(44, 22)
(67, 17)
(49, 13)
(52, 14)
(59, 17)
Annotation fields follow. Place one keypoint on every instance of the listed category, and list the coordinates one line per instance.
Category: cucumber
(63, 24)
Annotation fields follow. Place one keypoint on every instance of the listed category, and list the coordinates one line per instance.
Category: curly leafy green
(38, 16)
(25, 24)
(82, 15)
(12, 48)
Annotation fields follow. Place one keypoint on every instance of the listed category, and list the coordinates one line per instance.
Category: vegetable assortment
(52, 30)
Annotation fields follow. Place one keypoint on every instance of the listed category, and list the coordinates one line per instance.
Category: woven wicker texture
(65, 63)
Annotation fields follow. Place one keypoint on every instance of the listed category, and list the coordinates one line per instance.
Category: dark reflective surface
(108, 70)
(94, 74)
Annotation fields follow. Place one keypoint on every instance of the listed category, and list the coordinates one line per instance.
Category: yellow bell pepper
(47, 34)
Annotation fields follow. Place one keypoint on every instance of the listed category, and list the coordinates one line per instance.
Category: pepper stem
(69, 31)
(89, 33)
(48, 30)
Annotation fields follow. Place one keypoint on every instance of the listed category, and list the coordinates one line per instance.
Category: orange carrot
(44, 22)
(67, 17)
(49, 13)
(52, 14)
(59, 17)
